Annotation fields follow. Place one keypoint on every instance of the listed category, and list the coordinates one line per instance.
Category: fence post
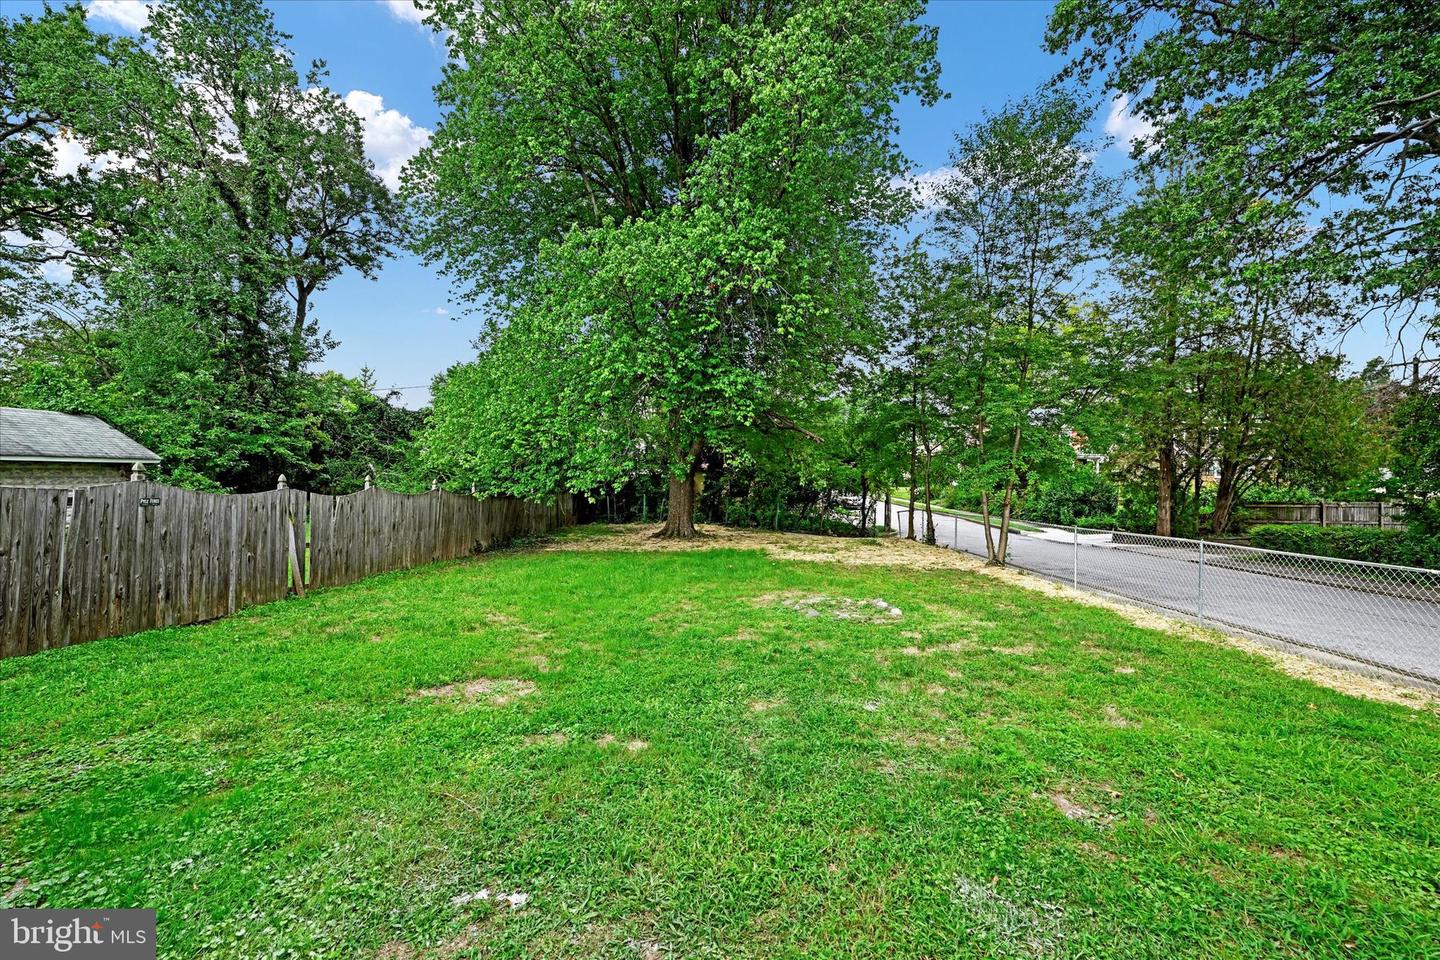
(1075, 566)
(297, 564)
(137, 472)
(1200, 588)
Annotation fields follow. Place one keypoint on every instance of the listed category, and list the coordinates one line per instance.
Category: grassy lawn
(712, 753)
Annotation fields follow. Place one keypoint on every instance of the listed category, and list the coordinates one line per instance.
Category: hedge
(1350, 543)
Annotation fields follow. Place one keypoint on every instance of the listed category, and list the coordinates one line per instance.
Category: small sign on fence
(149, 501)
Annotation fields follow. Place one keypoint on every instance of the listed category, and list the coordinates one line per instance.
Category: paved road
(1391, 631)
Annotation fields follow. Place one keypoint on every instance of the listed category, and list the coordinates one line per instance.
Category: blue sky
(384, 61)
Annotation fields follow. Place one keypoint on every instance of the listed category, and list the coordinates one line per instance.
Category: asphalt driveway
(1388, 623)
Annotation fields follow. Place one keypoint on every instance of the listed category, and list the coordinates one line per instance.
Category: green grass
(808, 787)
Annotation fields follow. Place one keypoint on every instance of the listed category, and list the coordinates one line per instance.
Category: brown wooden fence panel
(78, 565)
(362, 534)
(1363, 513)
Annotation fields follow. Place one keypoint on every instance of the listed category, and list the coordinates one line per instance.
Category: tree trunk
(865, 505)
(1225, 496)
(1003, 548)
(910, 523)
(297, 329)
(929, 512)
(887, 511)
(680, 513)
(1165, 492)
(985, 525)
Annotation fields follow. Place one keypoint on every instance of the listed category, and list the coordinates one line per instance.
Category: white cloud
(1127, 128)
(405, 11)
(130, 15)
(438, 311)
(391, 138)
(70, 156)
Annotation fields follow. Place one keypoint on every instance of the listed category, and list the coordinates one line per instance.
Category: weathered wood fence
(1362, 513)
(103, 561)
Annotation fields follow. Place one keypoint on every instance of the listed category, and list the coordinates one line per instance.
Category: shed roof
(67, 437)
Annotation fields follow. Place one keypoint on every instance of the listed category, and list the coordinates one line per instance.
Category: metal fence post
(1075, 560)
(1200, 588)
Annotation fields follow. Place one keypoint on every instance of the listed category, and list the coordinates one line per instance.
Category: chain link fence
(1381, 615)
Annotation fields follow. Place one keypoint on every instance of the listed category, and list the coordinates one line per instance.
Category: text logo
(78, 934)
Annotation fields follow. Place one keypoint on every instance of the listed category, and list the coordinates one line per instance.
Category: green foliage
(55, 76)
(1266, 493)
(1405, 547)
(670, 206)
(1325, 105)
(1222, 337)
(1066, 496)
(1416, 464)
(233, 188)
(1027, 364)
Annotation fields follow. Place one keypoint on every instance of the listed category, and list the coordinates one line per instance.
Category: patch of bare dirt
(648, 949)
(1115, 718)
(814, 605)
(956, 647)
(1030, 927)
(1079, 812)
(894, 552)
(556, 739)
(924, 739)
(609, 740)
(456, 946)
(764, 706)
(495, 690)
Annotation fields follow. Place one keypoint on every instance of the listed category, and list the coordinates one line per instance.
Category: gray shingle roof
(47, 435)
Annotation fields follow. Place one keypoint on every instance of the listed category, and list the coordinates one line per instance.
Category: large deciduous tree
(670, 203)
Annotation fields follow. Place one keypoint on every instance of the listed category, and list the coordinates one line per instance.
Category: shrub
(739, 513)
(1079, 492)
(1408, 548)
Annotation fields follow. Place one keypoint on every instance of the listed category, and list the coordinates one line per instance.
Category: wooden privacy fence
(1361, 513)
(78, 565)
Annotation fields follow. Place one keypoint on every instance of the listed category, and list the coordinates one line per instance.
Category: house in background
(42, 448)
